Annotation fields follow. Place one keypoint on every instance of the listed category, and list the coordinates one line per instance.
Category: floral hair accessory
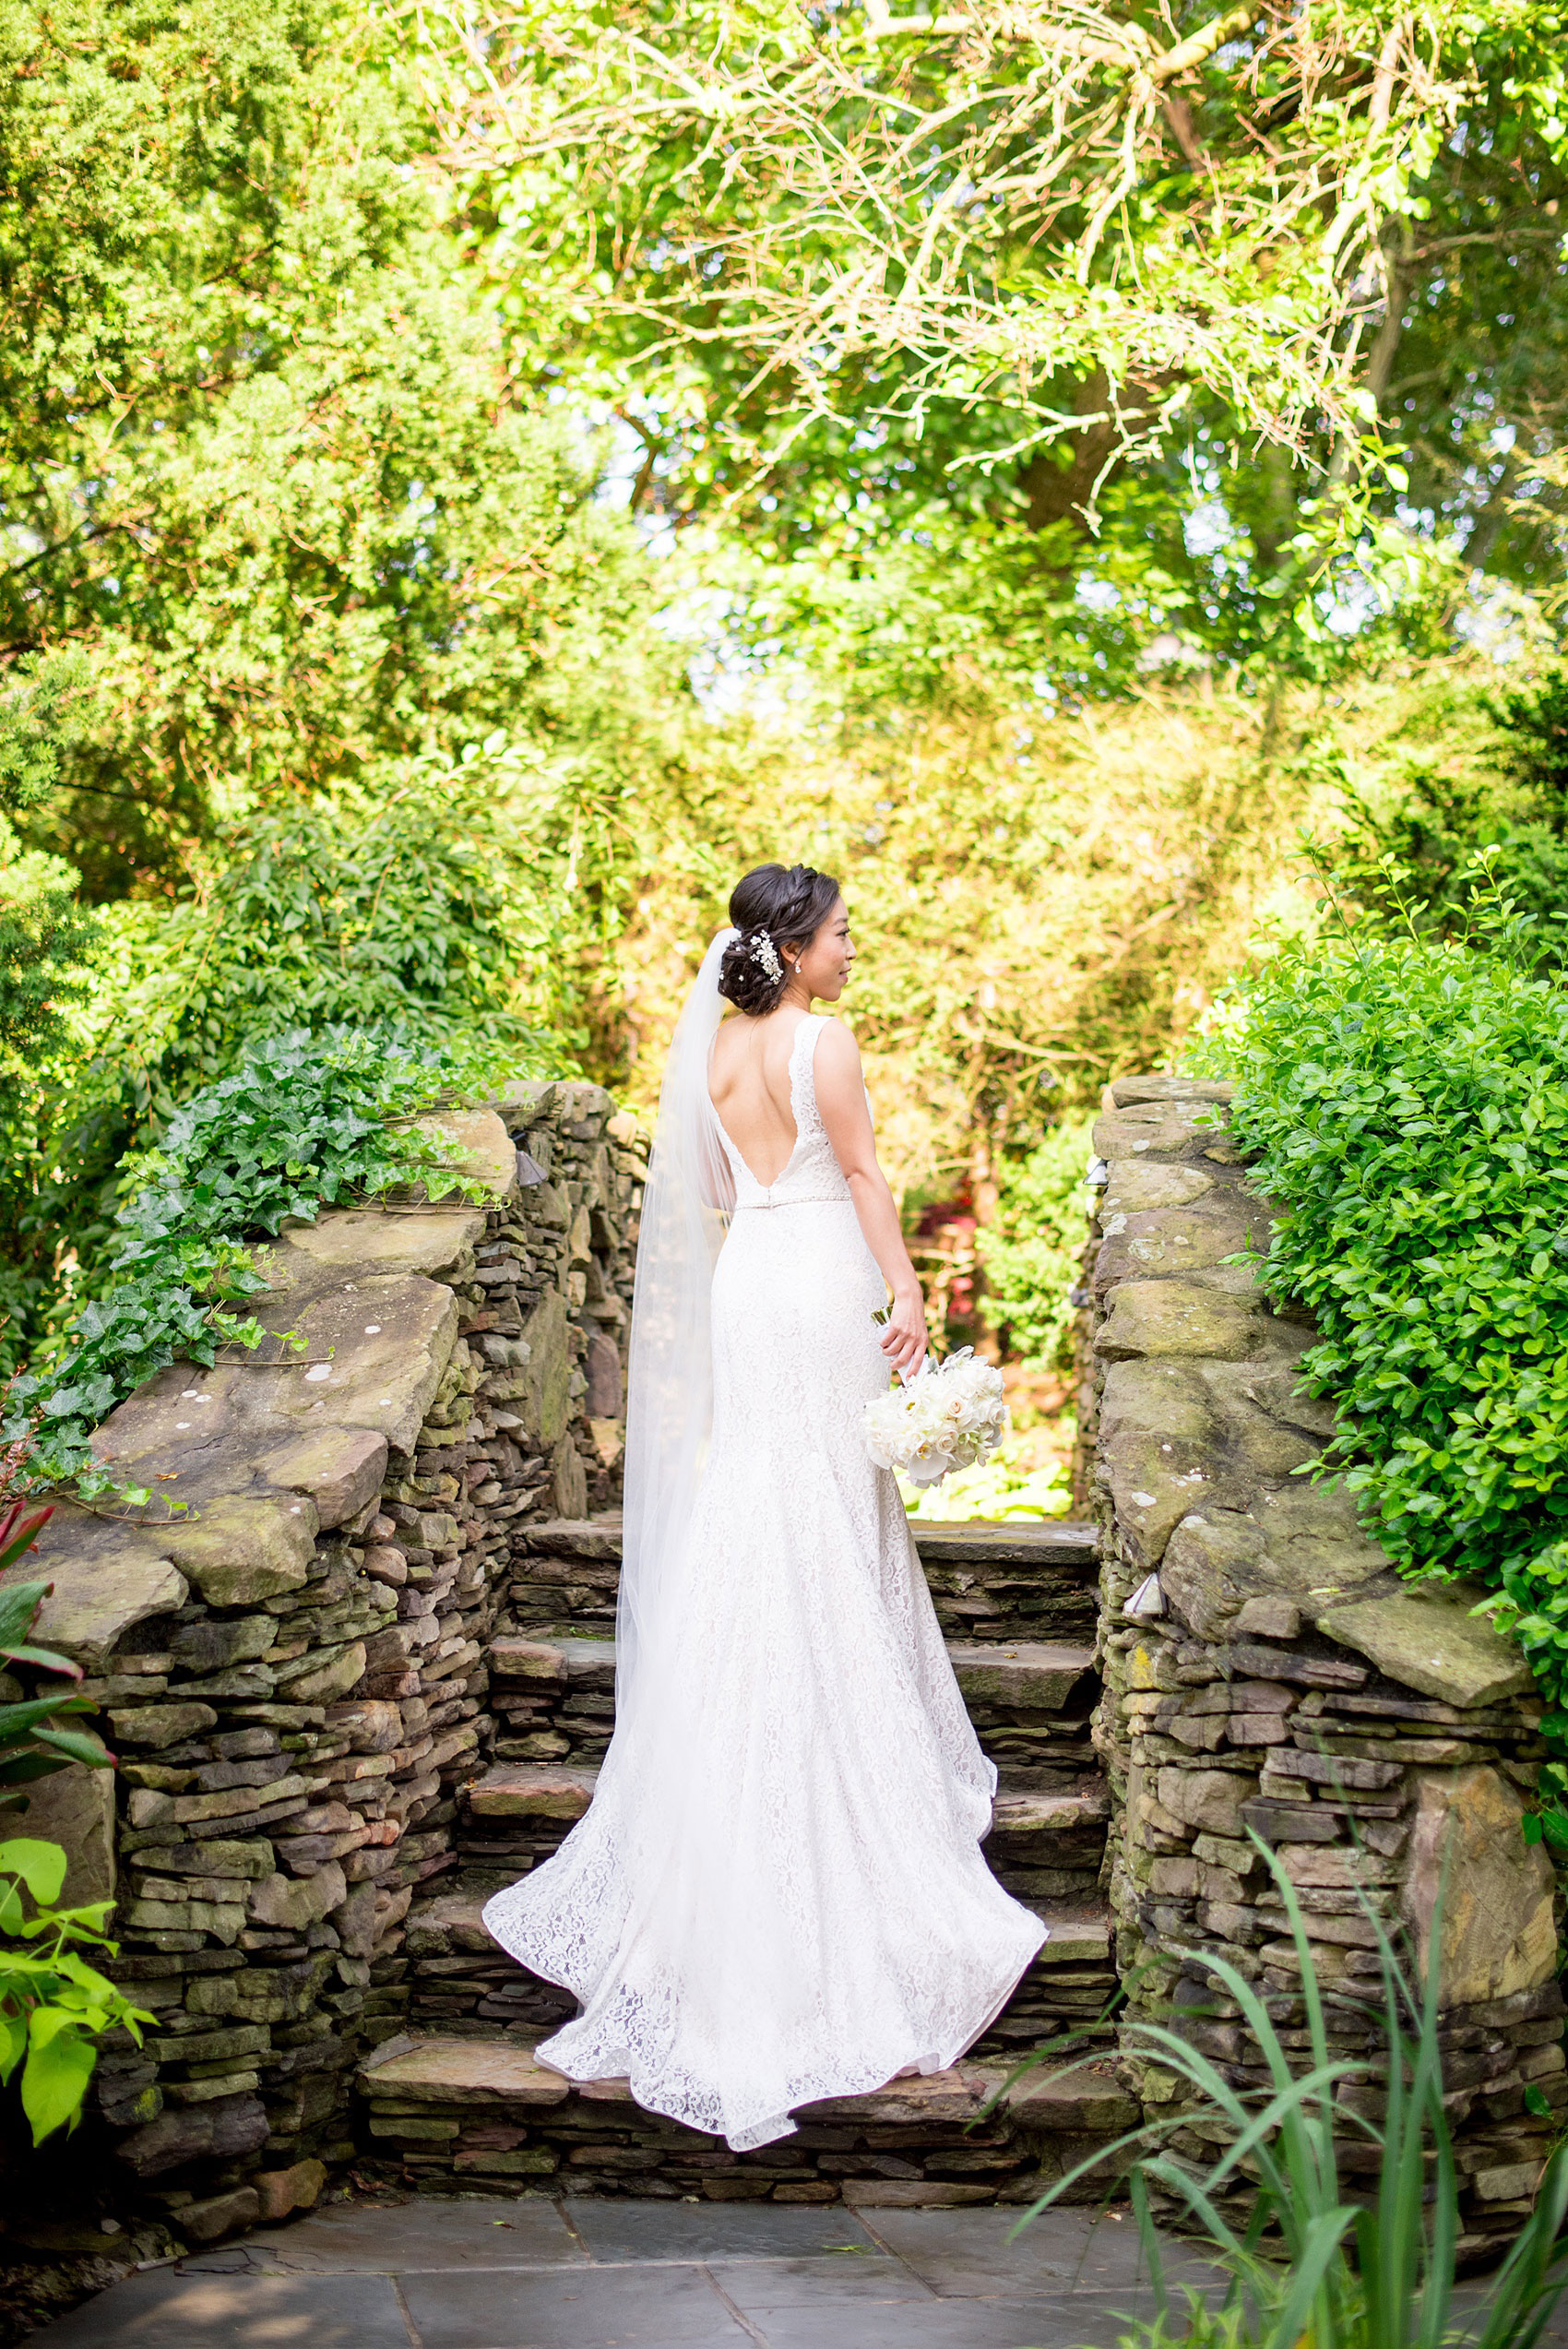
(765, 954)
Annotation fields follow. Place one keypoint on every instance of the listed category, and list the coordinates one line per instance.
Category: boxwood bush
(1405, 1102)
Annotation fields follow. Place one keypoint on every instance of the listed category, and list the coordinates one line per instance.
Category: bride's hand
(903, 1339)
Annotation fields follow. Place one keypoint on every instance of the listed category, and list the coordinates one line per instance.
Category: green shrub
(1407, 1104)
(1413, 869)
(460, 896)
(303, 1122)
(466, 902)
(52, 2004)
(1032, 1250)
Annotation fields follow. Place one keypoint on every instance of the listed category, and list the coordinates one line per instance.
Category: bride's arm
(841, 1099)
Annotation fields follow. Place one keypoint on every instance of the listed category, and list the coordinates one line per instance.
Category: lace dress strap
(802, 1076)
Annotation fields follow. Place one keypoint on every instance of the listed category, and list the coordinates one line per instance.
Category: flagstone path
(597, 2274)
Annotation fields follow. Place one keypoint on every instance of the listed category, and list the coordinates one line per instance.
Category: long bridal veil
(686, 1204)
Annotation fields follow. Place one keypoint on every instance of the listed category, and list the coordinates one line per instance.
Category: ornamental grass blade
(21, 1769)
(1301, 2318)
(1148, 2238)
(1532, 2279)
(1407, 2258)
(1290, 2177)
(76, 1745)
(1310, 2154)
(47, 1660)
(1091, 2162)
(1183, 2186)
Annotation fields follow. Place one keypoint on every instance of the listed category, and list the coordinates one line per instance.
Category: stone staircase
(455, 2099)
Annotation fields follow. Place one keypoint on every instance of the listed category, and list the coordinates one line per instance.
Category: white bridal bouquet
(949, 1415)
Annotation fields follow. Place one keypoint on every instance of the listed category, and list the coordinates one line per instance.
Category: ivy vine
(303, 1122)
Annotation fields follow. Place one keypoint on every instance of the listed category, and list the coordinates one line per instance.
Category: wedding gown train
(779, 1892)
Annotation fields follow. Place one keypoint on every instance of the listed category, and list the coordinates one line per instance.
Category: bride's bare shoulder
(837, 1054)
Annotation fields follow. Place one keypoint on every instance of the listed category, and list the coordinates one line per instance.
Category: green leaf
(46, 1658)
(19, 1603)
(76, 1745)
(40, 1866)
(54, 2079)
(16, 1720)
(13, 2038)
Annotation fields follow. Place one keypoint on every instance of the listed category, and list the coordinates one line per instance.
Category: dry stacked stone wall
(1276, 1678)
(293, 1667)
(363, 1675)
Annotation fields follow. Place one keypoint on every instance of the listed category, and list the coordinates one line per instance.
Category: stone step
(1024, 1677)
(1032, 1581)
(554, 1699)
(1049, 1846)
(978, 1541)
(586, 1664)
(526, 1790)
(451, 1920)
(1036, 1675)
(461, 2113)
(463, 1982)
(982, 1542)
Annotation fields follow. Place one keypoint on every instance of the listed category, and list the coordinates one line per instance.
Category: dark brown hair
(775, 906)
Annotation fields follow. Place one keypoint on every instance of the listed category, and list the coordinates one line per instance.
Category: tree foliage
(323, 663)
(1034, 1246)
(263, 469)
(474, 899)
(848, 270)
(36, 1739)
(338, 690)
(1408, 863)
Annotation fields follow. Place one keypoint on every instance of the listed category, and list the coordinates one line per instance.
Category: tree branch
(1200, 46)
(63, 545)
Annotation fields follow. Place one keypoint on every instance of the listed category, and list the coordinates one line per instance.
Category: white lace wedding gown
(779, 1892)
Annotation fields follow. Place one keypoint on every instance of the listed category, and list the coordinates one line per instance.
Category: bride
(779, 1893)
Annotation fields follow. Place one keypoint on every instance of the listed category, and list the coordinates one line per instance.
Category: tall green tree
(262, 462)
(284, 540)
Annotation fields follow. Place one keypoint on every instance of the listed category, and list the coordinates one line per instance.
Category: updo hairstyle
(774, 907)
